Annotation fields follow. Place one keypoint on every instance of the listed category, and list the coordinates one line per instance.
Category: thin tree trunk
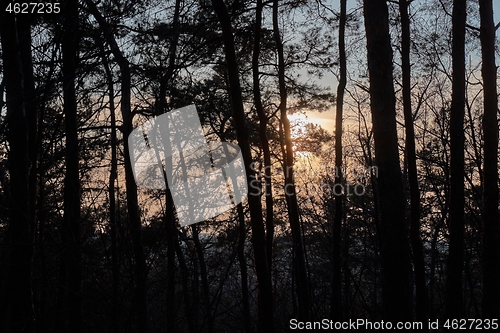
(140, 303)
(31, 107)
(336, 302)
(170, 222)
(172, 52)
(113, 175)
(266, 306)
(416, 241)
(263, 136)
(39, 226)
(290, 193)
(267, 176)
(18, 286)
(171, 317)
(490, 301)
(141, 295)
(243, 268)
(204, 279)
(170, 209)
(188, 308)
(346, 265)
(454, 283)
(71, 222)
(394, 247)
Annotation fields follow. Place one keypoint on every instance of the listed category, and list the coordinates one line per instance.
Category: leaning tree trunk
(299, 264)
(18, 285)
(490, 301)
(266, 306)
(416, 241)
(394, 247)
(454, 306)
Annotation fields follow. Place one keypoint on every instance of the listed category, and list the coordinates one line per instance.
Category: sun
(298, 125)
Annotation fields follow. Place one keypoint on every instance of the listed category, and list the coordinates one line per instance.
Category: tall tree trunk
(169, 218)
(41, 319)
(336, 306)
(263, 135)
(113, 175)
(490, 301)
(18, 285)
(416, 241)
(454, 295)
(396, 266)
(71, 223)
(266, 306)
(140, 303)
(299, 263)
(141, 295)
(31, 107)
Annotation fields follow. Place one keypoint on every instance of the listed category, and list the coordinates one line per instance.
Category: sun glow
(298, 126)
